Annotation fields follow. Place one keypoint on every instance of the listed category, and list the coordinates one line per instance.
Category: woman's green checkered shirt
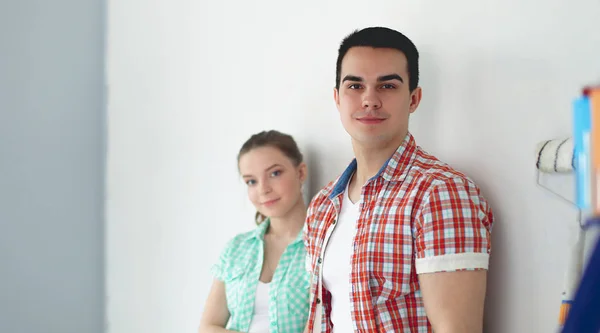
(239, 267)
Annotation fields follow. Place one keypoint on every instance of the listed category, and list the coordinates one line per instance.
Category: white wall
(191, 80)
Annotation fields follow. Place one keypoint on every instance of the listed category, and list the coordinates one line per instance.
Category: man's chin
(370, 138)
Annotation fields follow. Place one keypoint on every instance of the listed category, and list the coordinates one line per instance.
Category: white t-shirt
(337, 266)
(260, 318)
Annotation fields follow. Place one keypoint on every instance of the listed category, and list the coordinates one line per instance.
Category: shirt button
(318, 301)
(333, 221)
(319, 260)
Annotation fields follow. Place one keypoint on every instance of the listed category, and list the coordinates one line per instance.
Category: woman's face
(274, 183)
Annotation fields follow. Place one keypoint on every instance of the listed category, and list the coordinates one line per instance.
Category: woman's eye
(276, 173)
(250, 182)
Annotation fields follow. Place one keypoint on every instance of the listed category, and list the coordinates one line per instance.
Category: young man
(400, 242)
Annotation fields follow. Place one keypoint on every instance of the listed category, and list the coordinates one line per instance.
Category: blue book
(581, 154)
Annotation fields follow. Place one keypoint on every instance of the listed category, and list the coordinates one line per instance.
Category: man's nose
(371, 100)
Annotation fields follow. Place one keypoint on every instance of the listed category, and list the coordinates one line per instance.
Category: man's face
(373, 99)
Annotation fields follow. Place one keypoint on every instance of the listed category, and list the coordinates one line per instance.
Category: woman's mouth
(270, 202)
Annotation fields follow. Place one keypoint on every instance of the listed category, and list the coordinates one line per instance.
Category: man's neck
(370, 159)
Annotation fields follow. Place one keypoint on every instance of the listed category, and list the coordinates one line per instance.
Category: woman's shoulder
(241, 241)
(235, 253)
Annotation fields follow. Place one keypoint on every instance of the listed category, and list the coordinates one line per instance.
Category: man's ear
(336, 97)
(415, 99)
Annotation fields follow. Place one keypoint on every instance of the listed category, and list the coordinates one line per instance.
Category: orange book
(594, 95)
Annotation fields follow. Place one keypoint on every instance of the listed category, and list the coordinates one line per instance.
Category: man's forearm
(459, 326)
(454, 300)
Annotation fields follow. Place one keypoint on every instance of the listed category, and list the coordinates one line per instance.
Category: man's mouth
(371, 120)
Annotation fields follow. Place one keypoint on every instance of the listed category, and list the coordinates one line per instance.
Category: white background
(190, 81)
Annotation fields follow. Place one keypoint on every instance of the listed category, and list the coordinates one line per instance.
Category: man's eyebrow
(390, 77)
(352, 78)
(382, 78)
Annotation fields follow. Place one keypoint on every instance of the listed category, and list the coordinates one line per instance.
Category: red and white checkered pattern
(417, 215)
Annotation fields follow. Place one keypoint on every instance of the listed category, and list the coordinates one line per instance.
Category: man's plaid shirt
(417, 215)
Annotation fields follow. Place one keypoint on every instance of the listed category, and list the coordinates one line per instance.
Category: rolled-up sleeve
(453, 228)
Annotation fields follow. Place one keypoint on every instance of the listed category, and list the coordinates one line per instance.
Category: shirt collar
(260, 231)
(392, 170)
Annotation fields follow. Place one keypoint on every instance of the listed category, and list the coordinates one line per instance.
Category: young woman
(260, 282)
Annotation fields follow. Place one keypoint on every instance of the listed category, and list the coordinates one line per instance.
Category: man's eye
(354, 86)
(388, 86)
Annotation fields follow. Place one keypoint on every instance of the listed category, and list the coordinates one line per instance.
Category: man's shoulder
(437, 172)
(322, 196)
(444, 181)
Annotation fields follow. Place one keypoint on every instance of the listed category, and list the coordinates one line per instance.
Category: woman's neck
(290, 225)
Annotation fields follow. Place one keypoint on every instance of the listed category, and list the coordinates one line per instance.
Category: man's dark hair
(381, 37)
